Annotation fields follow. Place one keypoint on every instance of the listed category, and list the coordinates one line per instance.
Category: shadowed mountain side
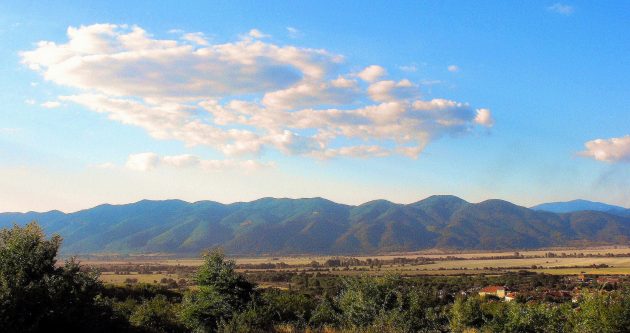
(320, 226)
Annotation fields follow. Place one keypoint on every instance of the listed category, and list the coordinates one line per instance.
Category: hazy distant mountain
(581, 205)
(316, 225)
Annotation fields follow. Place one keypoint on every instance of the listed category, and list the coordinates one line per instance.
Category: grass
(575, 271)
(305, 259)
(111, 278)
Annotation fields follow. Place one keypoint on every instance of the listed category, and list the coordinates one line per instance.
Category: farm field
(305, 259)
(117, 279)
(566, 262)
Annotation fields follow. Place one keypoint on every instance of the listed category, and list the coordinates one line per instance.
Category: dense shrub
(37, 295)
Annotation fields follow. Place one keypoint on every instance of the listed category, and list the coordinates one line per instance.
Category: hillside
(317, 225)
(582, 205)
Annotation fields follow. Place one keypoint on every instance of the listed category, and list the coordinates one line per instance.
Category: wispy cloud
(196, 37)
(430, 82)
(150, 161)
(9, 130)
(294, 32)
(560, 8)
(453, 68)
(255, 33)
(411, 68)
(50, 104)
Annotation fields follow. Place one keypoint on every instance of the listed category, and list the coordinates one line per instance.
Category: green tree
(466, 313)
(220, 295)
(37, 295)
(325, 314)
(605, 312)
(256, 318)
(157, 315)
(362, 299)
(534, 318)
(289, 307)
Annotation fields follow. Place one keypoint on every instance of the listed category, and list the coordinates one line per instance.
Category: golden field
(473, 263)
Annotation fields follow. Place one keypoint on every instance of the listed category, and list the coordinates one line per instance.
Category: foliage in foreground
(37, 295)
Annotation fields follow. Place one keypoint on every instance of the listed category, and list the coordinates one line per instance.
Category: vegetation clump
(39, 295)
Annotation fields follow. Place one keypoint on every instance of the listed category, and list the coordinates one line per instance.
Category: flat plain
(601, 260)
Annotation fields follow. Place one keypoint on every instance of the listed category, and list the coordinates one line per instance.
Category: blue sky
(352, 101)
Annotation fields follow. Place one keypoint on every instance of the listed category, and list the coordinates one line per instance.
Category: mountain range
(578, 205)
(320, 226)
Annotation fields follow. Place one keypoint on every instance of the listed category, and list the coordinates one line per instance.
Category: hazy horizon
(290, 198)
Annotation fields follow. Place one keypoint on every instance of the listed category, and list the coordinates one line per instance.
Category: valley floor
(597, 261)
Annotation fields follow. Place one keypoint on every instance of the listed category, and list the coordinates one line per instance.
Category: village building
(497, 291)
(510, 296)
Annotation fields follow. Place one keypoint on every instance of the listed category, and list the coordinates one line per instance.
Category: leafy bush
(157, 315)
(221, 294)
(36, 295)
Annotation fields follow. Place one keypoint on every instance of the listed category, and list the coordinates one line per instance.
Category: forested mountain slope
(317, 225)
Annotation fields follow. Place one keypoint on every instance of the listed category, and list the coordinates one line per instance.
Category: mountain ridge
(321, 226)
(582, 205)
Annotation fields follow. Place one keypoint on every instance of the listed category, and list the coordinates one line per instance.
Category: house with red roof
(497, 291)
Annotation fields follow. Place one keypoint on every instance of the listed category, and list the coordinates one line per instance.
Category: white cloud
(121, 61)
(196, 37)
(255, 33)
(294, 33)
(9, 130)
(453, 68)
(372, 73)
(562, 9)
(362, 151)
(170, 121)
(408, 125)
(243, 97)
(484, 117)
(30, 101)
(51, 104)
(385, 91)
(142, 161)
(150, 161)
(608, 150)
(336, 92)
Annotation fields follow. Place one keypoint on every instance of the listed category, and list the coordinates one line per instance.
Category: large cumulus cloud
(248, 95)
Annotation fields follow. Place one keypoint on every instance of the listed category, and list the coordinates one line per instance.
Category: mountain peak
(379, 202)
(582, 205)
(440, 198)
(320, 226)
